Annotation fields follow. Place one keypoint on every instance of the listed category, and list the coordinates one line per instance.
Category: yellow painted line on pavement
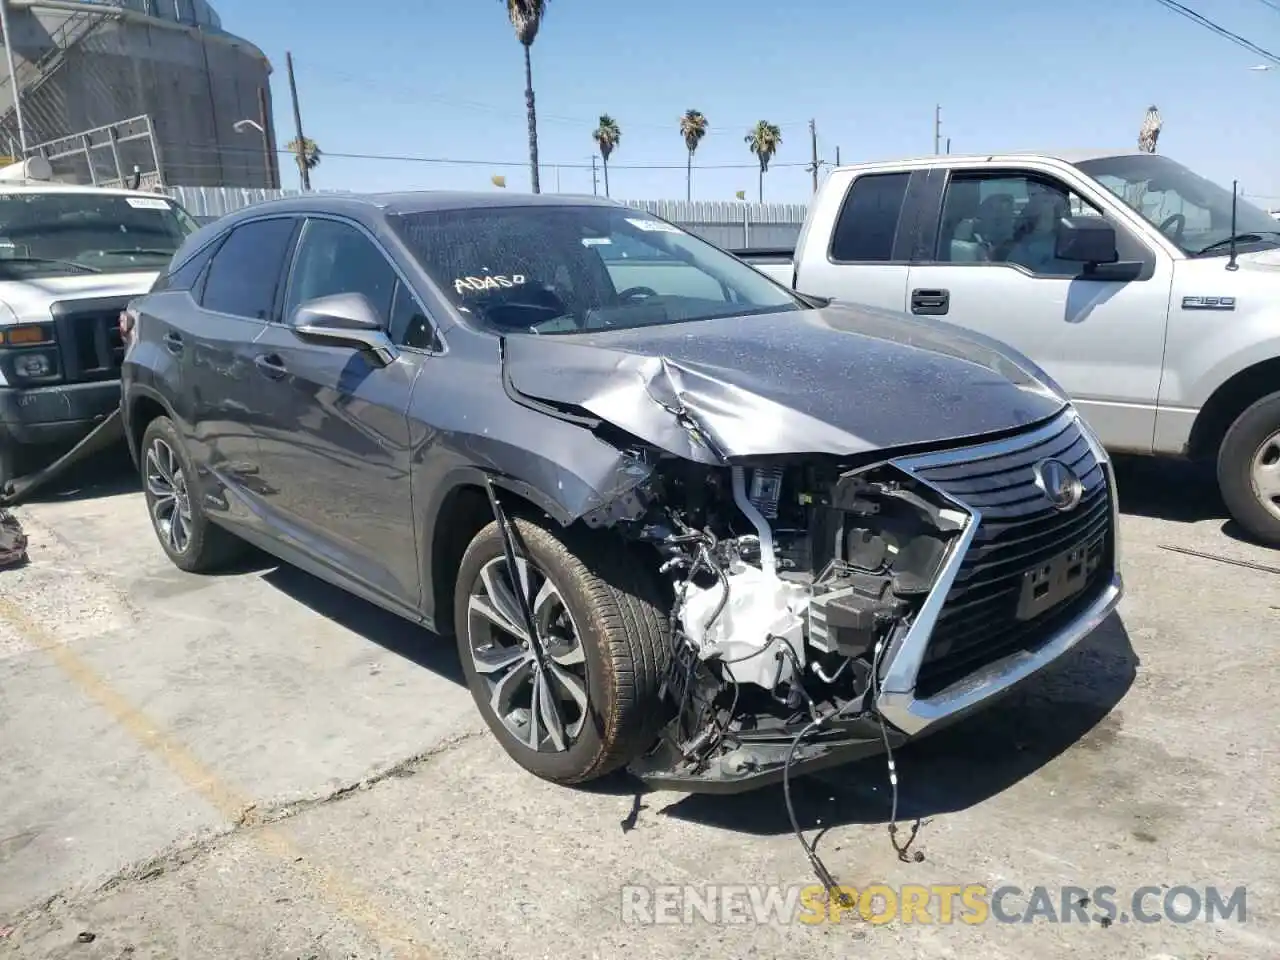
(350, 902)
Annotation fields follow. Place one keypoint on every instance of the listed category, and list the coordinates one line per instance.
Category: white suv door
(992, 269)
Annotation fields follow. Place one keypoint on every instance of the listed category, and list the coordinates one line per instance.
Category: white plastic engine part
(759, 606)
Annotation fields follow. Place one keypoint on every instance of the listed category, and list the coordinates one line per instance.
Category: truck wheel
(594, 706)
(1249, 470)
(190, 539)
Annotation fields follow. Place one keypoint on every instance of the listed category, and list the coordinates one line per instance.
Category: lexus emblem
(1059, 484)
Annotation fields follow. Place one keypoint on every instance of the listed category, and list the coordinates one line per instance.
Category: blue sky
(447, 81)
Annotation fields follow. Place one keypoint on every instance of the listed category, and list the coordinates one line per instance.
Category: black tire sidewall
(580, 760)
(192, 558)
(1235, 457)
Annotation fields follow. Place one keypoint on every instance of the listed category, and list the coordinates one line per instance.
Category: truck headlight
(32, 366)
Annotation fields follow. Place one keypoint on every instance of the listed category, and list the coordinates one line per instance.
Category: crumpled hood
(22, 300)
(839, 380)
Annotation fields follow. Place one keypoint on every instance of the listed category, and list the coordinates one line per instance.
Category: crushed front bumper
(902, 701)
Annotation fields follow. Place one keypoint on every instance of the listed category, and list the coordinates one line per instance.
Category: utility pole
(813, 138)
(297, 126)
(269, 167)
(13, 80)
(937, 129)
(595, 183)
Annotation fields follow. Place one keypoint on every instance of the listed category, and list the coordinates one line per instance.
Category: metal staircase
(31, 75)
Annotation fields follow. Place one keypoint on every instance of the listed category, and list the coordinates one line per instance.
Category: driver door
(335, 444)
(1102, 340)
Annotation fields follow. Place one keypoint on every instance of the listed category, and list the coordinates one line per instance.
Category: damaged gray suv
(679, 518)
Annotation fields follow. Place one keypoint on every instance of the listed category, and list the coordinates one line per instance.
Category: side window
(410, 326)
(246, 269)
(868, 223)
(185, 277)
(336, 257)
(1008, 218)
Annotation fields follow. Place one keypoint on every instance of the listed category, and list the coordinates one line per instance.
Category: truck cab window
(868, 222)
(1010, 219)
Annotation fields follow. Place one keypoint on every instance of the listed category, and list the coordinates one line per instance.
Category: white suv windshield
(1193, 212)
(578, 268)
(64, 234)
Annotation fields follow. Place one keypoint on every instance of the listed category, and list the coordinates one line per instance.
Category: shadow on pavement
(103, 474)
(1175, 490)
(950, 771)
(394, 633)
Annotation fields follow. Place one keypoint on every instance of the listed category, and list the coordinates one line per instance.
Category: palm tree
(526, 18)
(607, 137)
(764, 140)
(306, 153)
(693, 127)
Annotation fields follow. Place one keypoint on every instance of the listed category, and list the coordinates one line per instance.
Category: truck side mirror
(1086, 239)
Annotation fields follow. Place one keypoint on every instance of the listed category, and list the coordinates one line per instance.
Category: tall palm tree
(526, 18)
(764, 140)
(307, 154)
(607, 137)
(693, 127)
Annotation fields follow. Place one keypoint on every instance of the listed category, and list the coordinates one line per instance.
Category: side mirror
(1088, 240)
(344, 320)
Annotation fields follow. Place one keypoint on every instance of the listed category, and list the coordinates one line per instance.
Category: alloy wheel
(169, 496)
(543, 704)
(1264, 474)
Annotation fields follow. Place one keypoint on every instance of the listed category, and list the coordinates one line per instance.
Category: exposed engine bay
(792, 580)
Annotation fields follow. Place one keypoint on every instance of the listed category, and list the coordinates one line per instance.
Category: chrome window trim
(896, 700)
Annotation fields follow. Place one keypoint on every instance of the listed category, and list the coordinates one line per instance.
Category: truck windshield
(1193, 212)
(579, 268)
(60, 234)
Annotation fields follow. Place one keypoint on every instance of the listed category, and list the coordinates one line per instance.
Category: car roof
(34, 186)
(421, 201)
(1074, 155)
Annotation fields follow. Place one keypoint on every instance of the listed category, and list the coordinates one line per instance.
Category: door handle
(930, 303)
(173, 342)
(270, 365)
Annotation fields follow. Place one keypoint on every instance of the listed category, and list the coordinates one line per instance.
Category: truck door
(868, 253)
(986, 262)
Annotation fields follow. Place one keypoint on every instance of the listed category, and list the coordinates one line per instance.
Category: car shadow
(107, 473)
(949, 771)
(389, 631)
(1175, 490)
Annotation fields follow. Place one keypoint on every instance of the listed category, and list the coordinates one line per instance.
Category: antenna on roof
(1231, 261)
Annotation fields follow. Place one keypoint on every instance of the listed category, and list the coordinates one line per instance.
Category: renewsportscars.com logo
(930, 904)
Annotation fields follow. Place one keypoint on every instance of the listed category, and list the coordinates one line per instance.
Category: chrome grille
(1020, 533)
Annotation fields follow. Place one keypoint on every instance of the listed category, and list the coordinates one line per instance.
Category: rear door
(236, 296)
(336, 450)
(868, 243)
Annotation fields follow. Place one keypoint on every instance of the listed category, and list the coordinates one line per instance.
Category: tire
(195, 543)
(622, 646)
(1249, 470)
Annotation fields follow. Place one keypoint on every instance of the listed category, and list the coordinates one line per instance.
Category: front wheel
(1249, 470)
(590, 704)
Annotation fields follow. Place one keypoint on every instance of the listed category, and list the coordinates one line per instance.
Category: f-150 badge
(1208, 303)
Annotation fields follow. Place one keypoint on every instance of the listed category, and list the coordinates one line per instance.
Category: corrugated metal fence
(723, 222)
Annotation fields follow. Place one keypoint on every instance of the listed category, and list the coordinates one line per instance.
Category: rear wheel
(190, 539)
(1249, 470)
(591, 704)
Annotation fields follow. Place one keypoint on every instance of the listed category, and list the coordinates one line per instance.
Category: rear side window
(868, 221)
(185, 277)
(246, 269)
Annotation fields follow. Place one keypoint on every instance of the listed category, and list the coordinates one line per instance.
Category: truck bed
(776, 262)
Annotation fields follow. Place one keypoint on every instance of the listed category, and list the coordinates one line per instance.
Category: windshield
(69, 234)
(1193, 212)
(571, 269)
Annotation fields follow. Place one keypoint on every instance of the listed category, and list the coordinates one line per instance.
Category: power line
(1221, 30)
(1272, 4)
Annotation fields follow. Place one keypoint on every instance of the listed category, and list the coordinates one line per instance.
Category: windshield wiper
(1253, 236)
(62, 263)
(145, 250)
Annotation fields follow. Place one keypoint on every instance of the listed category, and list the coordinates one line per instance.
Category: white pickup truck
(71, 259)
(1151, 294)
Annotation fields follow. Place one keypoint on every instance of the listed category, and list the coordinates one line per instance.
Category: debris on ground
(13, 542)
